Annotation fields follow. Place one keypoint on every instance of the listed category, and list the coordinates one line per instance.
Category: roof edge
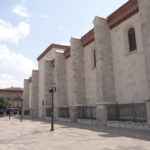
(53, 45)
(122, 13)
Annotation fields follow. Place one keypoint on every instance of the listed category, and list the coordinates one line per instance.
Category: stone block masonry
(78, 80)
(61, 101)
(34, 94)
(26, 96)
(104, 70)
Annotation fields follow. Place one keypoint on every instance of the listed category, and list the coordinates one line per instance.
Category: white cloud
(14, 67)
(11, 33)
(21, 11)
(8, 81)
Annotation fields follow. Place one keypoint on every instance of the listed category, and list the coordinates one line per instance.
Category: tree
(3, 103)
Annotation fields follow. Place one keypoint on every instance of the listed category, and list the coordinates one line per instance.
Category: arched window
(132, 39)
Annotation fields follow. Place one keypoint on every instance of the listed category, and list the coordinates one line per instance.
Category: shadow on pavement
(109, 131)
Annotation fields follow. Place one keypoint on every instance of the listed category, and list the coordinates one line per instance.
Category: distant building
(13, 96)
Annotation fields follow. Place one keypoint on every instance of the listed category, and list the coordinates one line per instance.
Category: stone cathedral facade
(102, 76)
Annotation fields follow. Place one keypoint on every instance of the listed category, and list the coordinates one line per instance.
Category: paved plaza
(35, 135)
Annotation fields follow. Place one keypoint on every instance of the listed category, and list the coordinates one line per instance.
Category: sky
(27, 27)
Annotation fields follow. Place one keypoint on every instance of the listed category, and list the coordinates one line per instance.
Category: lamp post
(52, 91)
(43, 108)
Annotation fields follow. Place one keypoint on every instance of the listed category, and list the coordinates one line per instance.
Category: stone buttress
(26, 96)
(48, 83)
(144, 9)
(61, 85)
(34, 93)
(104, 70)
(78, 79)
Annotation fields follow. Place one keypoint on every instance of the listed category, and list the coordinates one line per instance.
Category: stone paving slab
(35, 135)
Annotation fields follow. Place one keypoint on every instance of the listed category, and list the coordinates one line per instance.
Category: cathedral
(102, 76)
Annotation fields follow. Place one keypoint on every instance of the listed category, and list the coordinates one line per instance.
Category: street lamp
(43, 107)
(52, 91)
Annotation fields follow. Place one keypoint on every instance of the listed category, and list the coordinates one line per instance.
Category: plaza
(36, 135)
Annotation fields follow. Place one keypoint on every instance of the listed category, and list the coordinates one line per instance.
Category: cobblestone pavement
(35, 135)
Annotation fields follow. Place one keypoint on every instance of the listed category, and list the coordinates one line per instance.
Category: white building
(104, 75)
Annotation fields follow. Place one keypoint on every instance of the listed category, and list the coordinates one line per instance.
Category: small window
(132, 39)
(93, 58)
(43, 103)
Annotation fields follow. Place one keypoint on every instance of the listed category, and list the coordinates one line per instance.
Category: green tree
(3, 102)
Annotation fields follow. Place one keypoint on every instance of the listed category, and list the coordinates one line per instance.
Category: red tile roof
(88, 37)
(20, 90)
(85, 39)
(124, 12)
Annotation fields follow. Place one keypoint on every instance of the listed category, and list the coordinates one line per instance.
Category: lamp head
(53, 89)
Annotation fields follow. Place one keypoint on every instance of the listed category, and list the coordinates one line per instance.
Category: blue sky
(27, 27)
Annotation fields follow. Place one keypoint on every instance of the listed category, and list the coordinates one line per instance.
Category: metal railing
(63, 112)
(87, 112)
(135, 112)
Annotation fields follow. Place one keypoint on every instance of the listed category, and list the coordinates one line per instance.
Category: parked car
(11, 111)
